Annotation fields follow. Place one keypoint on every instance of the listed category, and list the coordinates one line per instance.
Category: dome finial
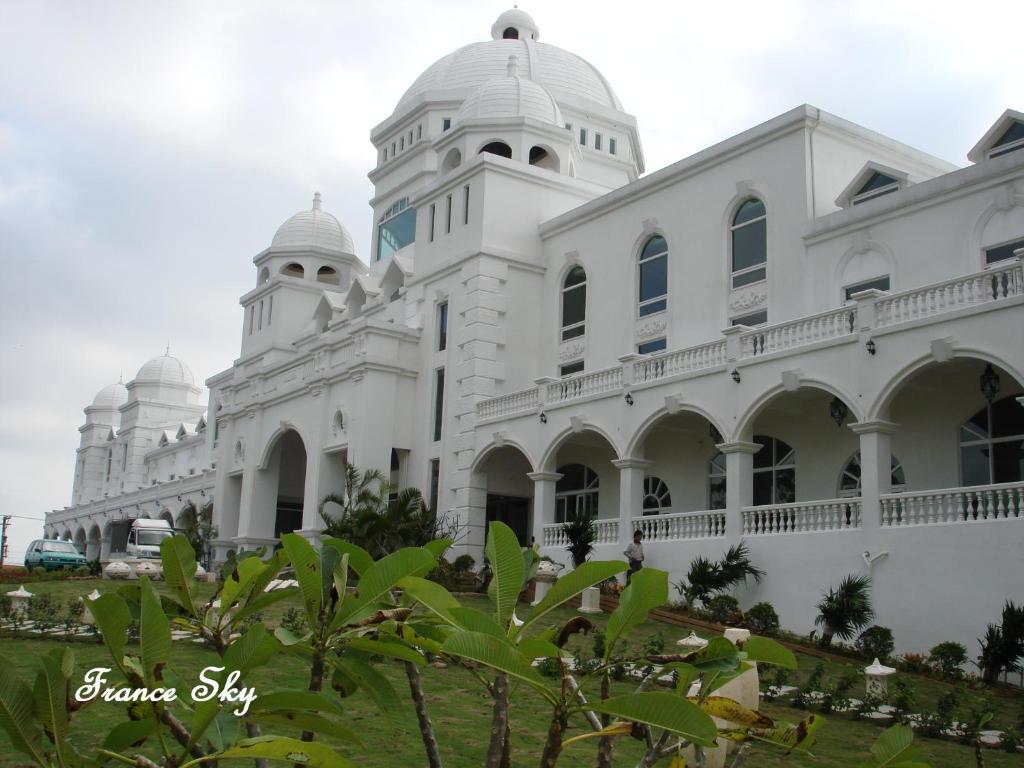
(513, 66)
(316, 201)
(167, 352)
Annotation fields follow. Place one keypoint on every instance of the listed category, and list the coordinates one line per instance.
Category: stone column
(631, 494)
(875, 468)
(543, 502)
(739, 484)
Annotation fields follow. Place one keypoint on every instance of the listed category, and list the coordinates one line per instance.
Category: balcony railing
(802, 517)
(607, 533)
(954, 505)
(681, 525)
(991, 285)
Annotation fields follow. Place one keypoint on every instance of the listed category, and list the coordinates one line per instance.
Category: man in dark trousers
(635, 554)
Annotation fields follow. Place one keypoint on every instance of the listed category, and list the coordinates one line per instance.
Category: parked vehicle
(52, 555)
(145, 536)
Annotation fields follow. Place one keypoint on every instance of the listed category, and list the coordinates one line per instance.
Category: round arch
(745, 423)
(644, 430)
(549, 459)
(452, 160)
(67, 535)
(543, 156)
(494, 446)
(272, 441)
(1010, 220)
(863, 249)
(94, 543)
(880, 406)
(497, 147)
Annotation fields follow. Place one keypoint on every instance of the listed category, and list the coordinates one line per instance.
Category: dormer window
(878, 184)
(1011, 140)
(510, 33)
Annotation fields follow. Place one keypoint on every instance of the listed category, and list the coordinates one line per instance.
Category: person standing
(635, 554)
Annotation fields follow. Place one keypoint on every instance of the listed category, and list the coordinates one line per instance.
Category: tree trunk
(426, 728)
(316, 682)
(553, 745)
(605, 744)
(499, 722)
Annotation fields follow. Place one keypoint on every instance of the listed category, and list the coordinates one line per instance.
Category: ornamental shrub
(947, 659)
(876, 643)
(762, 619)
(725, 609)
(463, 563)
(915, 663)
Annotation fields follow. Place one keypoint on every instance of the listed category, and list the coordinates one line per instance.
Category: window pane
(753, 276)
(976, 428)
(572, 333)
(1002, 252)
(752, 320)
(974, 464)
(716, 493)
(654, 306)
(653, 247)
(749, 245)
(650, 347)
(877, 181)
(1007, 418)
(879, 283)
(785, 486)
(1008, 461)
(571, 368)
(763, 458)
(438, 403)
(574, 305)
(396, 233)
(1014, 133)
(572, 478)
(653, 278)
(762, 489)
(751, 209)
(576, 276)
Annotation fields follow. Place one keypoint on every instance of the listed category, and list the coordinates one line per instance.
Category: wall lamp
(629, 398)
(543, 418)
(870, 346)
(735, 375)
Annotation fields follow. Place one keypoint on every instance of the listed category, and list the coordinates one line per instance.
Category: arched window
(749, 243)
(542, 158)
(327, 275)
(849, 480)
(510, 33)
(497, 148)
(657, 499)
(774, 472)
(576, 492)
(992, 444)
(293, 270)
(574, 303)
(654, 276)
(451, 161)
(264, 275)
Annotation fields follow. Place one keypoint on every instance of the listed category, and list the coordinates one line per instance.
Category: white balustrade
(954, 505)
(798, 333)
(667, 364)
(607, 533)
(514, 403)
(979, 288)
(803, 517)
(681, 525)
(584, 384)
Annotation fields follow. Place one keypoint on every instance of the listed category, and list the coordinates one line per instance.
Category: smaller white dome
(313, 228)
(511, 96)
(165, 370)
(111, 397)
(522, 22)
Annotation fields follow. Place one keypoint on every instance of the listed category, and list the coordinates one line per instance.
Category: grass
(460, 709)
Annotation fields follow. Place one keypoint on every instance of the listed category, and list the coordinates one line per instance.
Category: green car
(53, 555)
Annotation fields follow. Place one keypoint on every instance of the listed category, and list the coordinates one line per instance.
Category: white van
(145, 536)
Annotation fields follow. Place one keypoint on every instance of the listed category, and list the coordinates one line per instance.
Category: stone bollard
(591, 601)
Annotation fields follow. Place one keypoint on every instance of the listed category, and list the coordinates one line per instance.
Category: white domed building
(804, 338)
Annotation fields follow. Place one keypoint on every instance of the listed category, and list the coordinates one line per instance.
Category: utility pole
(3, 539)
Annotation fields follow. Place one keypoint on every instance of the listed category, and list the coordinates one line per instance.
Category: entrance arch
(505, 472)
(280, 487)
(94, 543)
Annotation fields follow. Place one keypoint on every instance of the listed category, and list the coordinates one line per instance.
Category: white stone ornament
(118, 569)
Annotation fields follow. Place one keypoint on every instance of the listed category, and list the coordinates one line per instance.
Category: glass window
(576, 492)
(849, 478)
(583, 137)
(1011, 140)
(446, 123)
(878, 283)
(1002, 252)
(774, 472)
(448, 214)
(611, 146)
(465, 204)
(64, 547)
(574, 303)
(259, 324)
(716, 482)
(430, 228)
(992, 444)
(435, 482)
(570, 368)
(419, 131)
(752, 320)
(442, 326)
(650, 347)
(657, 499)
(401, 143)
(597, 141)
(749, 243)
(878, 184)
(653, 276)
(396, 229)
(438, 403)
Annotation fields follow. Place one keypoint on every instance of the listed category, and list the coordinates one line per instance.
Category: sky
(149, 150)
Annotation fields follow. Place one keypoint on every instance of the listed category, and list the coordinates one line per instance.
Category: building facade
(806, 337)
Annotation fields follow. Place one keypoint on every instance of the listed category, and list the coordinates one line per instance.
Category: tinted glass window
(574, 305)
(396, 233)
(876, 181)
(879, 283)
(749, 245)
(650, 347)
(1001, 252)
(750, 210)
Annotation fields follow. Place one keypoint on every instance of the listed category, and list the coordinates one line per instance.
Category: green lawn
(461, 710)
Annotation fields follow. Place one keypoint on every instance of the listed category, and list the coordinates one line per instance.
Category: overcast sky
(149, 150)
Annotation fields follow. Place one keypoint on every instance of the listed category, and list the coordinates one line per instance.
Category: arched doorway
(94, 543)
(509, 490)
(80, 540)
(284, 478)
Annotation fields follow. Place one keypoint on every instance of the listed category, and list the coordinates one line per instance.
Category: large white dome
(564, 74)
(313, 228)
(111, 397)
(510, 96)
(165, 370)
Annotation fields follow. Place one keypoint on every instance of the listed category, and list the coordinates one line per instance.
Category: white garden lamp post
(876, 683)
(19, 601)
(691, 643)
(546, 575)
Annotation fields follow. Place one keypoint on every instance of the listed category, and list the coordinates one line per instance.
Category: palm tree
(846, 609)
(361, 491)
(197, 525)
(708, 577)
(581, 533)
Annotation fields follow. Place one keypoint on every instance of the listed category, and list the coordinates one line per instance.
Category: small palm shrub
(1003, 644)
(725, 609)
(876, 643)
(947, 659)
(762, 619)
(709, 577)
(845, 609)
(581, 534)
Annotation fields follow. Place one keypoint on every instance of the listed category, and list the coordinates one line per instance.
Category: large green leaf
(179, 563)
(253, 649)
(438, 547)
(154, 631)
(383, 576)
(477, 621)
(308, 721)
(659, 709)
(312, 753)
(240, 584)
(17, 713)
(647, 590)
(125, 734)
(359, 560)
(51, 701)
(894, 747)
(502, 549)
(371, 682)
(112, 617)
(719, 655)
(271, 568)
(497, 654)
(263, 600)
(431, 596)
(768, 651)
(570, 585)
(296, 700)
(306, 562)
(391, 650)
